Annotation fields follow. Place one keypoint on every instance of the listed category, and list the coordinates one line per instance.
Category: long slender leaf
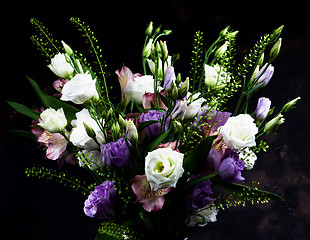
(194, 162)
(199, 180)
(25, 110)
(142, 125)
(23, 133)
(49, 101)
(158, 140)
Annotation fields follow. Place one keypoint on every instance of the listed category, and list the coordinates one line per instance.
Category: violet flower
(199, 196)
(169, 78)
(262, 108)
(231, 167)
(116, 153)
(153, 130)
(101, 202)
(264, 78)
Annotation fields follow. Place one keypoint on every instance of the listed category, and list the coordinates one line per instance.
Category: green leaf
(199, 180)
(142, 125)
(25, 110)
(23, 133)
(51, 102)
(248, 193)
(194, 162)
(158, 140)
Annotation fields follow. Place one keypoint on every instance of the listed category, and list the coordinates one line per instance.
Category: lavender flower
(169, 78)
(262, 108)
(264, 78)
(101, 202)
(199, 196)
(231, 167)
(154, 129)
(116, 153)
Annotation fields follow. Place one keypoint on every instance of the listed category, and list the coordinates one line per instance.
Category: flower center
(159, 167)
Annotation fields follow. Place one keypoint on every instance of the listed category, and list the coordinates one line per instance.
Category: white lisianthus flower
(163, 168)
(249, 157)
(79, 89)
(239, 132)
(79, 136)
(60, 66)
(53, 121)
(216, 76)
(139, 86)
(194, 107)
(201, 217)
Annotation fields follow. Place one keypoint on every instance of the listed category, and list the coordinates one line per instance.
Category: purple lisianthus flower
(231, 167)
(199, 196)
(116, 153)
(154, 129)
(212, 117)
(264, 78)
(169, 78)
(262, 108)
(101, 202)
(213, 160)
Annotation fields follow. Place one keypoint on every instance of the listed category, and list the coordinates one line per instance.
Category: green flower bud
(90, 132)
(167, 32)
(275, 49)
(273, 124)
(277, 32)
(261, 60)
(164, 49)
(68, 50)
(121, 121)
(221, 50)
(174, 93)
(183, 89)
(149, 29)
(147, 49)
(290, 105)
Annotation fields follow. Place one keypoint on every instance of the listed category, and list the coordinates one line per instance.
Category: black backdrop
(40, 210)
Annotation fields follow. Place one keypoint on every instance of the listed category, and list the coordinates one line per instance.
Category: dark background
(33, 209)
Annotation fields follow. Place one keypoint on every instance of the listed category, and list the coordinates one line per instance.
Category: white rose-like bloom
(239, 132)
(163, 168)
(53, 121)
(194, 107)
(203, 216)
(139, 86)
(79, 89)
(79, 135)
(249, 157)
(60, 66)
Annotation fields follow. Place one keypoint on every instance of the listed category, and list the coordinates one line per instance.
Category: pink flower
(56, 144)
(125, 76)
(149, 98)
(151, 200)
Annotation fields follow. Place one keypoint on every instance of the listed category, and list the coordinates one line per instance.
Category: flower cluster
(168, 145)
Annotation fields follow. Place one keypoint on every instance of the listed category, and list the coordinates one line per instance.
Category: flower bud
(131, 131)
(275, 49)
(177, 126)
(169, 79)
(90, 132)
(174, 93)
(147, 49)
(121, 121)
(184, 89)
(224, 32)
(167, 32)
(115, 129)
(68, 50)
(178, 80)
(273, 124)
(263, 76)
(158, 49)
(149, 29)
(221, 50)
(262, 108)
(290, 105)
(164, 49)
(277, 32)
(218, 87)
(261, 60)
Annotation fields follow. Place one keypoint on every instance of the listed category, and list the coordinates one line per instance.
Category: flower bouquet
(170, 152)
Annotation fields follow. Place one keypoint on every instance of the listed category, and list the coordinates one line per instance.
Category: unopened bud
(277, 32)
(131, 131)
(184, 89)
(261, 60)
(221, 50)
(167, 32)
(68, 50)
(164, 49)
(90, 132)
(224, 32)
(290, 105)
(121, 121)
(273, 124)
(149, 29)
(174, 93)
(275, 49)
(158, 49)
(147, 49)
(179, 79)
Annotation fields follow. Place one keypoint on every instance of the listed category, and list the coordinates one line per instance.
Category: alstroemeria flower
(151, 200)
(55, 142)
(149, 98)
(125, 76)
